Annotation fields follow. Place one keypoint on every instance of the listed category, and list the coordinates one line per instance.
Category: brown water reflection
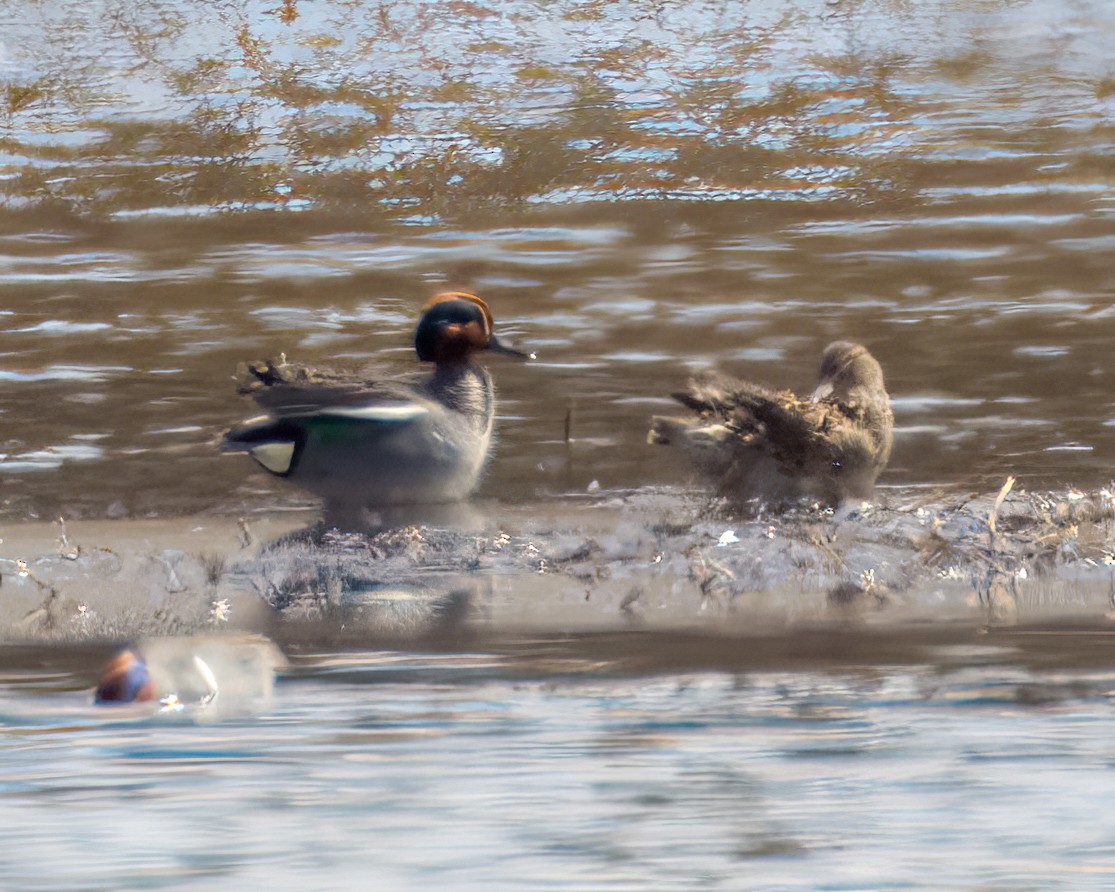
(638, 189)
(439, 110)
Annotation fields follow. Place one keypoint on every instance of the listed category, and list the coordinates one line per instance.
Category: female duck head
(455, 325)
(846, 367)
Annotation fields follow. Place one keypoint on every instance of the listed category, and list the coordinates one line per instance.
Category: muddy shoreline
(667, 567)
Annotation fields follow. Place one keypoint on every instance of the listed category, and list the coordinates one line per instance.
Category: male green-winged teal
(771, 445)
(414, 440)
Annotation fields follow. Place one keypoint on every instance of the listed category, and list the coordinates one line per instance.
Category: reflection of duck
(381, 443)
(191, 670)
(757, 443)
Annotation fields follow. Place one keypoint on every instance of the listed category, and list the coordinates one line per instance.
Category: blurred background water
(640, 189)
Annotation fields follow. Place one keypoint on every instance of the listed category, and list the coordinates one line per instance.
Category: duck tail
(271, 441)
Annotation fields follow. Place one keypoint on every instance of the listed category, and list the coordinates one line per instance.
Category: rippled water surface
(473, 772)
(476, 772)
(639, 189)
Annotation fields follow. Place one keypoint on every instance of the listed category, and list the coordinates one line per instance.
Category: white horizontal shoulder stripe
(401, 412)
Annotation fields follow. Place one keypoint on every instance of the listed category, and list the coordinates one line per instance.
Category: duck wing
(779, 423)
(301, 403)
(290, 388)
(799, 434)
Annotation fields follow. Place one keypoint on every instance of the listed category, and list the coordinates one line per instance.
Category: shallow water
(640, 189)
(482, 771)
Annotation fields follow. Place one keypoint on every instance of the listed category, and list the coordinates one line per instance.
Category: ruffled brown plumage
(755, 443)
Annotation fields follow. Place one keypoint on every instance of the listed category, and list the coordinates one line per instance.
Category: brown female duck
(755, 443)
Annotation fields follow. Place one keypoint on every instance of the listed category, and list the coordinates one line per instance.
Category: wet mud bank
(595, 570)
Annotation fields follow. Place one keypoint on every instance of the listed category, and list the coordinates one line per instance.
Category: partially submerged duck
(752, 442)
(418, 439)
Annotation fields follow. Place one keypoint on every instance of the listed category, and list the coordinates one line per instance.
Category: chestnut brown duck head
(755, 443)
